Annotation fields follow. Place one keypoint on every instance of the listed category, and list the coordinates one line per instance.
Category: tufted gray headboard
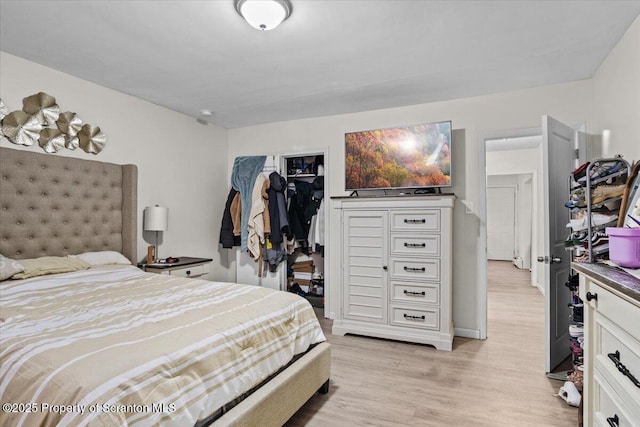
(56, 206)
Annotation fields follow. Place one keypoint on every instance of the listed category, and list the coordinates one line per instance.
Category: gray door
(558, 142)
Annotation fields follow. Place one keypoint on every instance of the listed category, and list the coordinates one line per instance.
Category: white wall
(470, 116)
(181, 164)
(616, 97)
(512, 162)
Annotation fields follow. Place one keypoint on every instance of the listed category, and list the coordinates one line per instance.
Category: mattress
(117, 346)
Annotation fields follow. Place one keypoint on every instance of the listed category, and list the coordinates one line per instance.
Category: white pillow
(103, 258)
(9, 267)
(34, 267)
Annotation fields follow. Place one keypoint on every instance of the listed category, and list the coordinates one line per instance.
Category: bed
(108, 344)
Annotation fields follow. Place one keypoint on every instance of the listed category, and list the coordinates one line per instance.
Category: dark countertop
(184, 261)
(613, 277)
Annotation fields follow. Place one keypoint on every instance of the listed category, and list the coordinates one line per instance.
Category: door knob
(543, 259)
(555, 260)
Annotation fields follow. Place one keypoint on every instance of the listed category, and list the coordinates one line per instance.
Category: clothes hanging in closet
(228, 238)
(275, 252)
(303, 206)
(258, 224)
(243, 177)
(278, 208)
(316, 231)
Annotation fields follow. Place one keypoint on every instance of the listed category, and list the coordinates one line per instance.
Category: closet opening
(307, 212)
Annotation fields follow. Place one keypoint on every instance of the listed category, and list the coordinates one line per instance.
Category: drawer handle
(414, 293)
(410, 317)
(415, 221)
(591, 296)
(415, 245)
(615, 358)
(414, 269)
(613, 421)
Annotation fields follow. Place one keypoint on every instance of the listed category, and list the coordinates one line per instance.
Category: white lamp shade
(264, 14)
(156, 218)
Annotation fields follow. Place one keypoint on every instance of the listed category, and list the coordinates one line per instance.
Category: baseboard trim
(540, 288)
(467, 333)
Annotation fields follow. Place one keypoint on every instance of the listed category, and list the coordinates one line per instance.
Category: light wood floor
(496, 382)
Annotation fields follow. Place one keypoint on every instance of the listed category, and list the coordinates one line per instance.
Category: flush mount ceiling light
(263, 14)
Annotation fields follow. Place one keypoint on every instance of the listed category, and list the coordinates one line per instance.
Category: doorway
(558, 146)
(307, 207)
(514, 201)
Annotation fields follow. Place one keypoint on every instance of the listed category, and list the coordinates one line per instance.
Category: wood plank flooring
(496, 382)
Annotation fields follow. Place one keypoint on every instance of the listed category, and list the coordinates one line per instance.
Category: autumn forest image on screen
(405, 157)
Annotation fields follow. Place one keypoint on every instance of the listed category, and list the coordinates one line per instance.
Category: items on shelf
(306, 277)
(301, 273)
(595, 195)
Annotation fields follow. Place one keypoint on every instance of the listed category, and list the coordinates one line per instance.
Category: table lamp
(156, 219)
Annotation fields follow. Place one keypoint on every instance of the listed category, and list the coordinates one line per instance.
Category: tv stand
(385, 192)
(399, 250)
(434, 190)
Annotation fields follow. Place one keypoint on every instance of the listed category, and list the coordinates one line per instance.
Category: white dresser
(392, 257)
(611, 347)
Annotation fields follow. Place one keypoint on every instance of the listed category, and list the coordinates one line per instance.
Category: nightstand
(186, 267)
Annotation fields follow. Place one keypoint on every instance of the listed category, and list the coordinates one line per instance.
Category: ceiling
(329, 57)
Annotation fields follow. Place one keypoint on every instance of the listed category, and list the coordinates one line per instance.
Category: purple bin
(624, 246)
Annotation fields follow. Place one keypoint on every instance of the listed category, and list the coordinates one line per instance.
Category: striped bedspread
(117, 346)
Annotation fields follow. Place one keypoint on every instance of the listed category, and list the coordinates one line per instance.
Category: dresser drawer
(609, 409)
(620, 311)
(427, 220)
(617, 353)
(421, 293)
(192, 272)
(418, 269)
(425, 318)
(418, 245)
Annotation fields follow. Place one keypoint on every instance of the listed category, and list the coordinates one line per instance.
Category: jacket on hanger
(227, 237)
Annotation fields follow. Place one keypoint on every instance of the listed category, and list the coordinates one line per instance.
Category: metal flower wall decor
(40, 121)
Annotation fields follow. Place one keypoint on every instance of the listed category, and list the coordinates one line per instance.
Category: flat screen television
(417, 156)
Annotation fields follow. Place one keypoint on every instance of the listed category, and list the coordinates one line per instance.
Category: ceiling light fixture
(264, 14)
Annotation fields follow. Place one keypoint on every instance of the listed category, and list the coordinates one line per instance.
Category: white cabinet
(611, 352)
(392, 262)
(186, 267)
